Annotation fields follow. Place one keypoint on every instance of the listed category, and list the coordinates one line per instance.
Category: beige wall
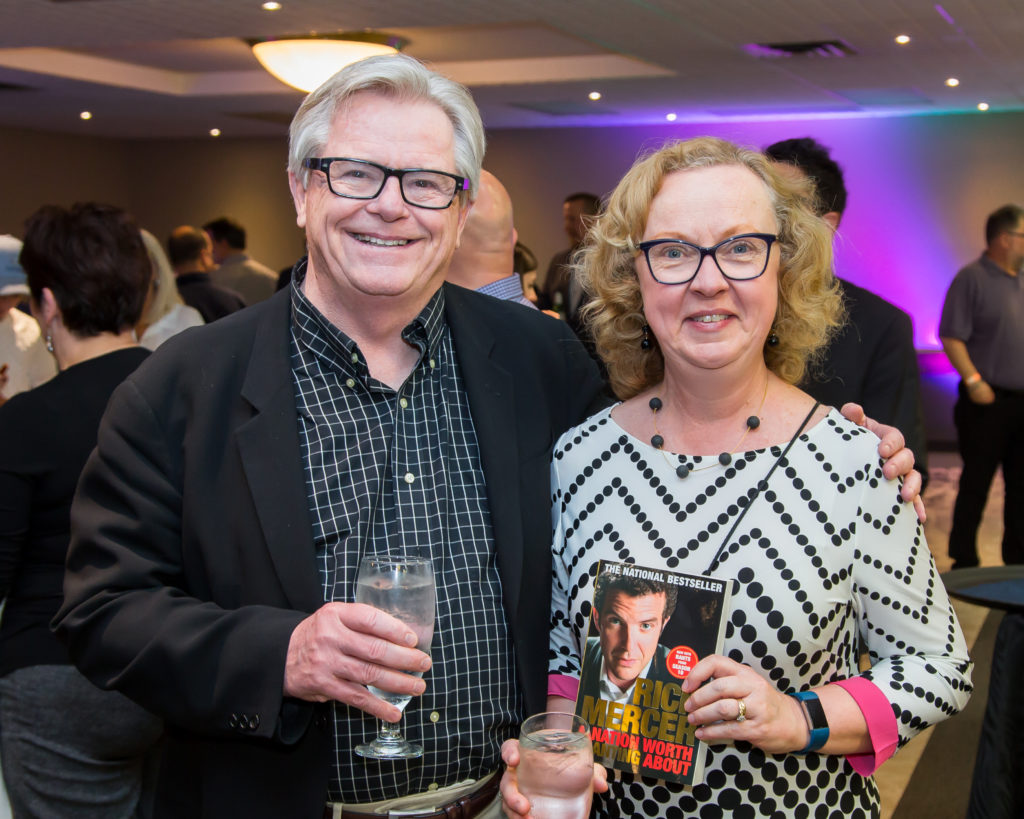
(920, 187)
(165, 183)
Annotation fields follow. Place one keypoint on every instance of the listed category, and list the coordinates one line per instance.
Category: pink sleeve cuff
(881, 723)
(561, 686)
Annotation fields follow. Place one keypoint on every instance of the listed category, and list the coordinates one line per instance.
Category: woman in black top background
(67, 747)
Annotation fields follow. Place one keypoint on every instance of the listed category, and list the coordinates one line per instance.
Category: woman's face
(711, 322)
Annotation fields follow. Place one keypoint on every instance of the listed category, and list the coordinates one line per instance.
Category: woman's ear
(48, 308)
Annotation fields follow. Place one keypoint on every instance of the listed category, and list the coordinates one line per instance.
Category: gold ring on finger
(741, 716)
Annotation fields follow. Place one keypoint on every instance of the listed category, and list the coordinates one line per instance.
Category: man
(982, 332)
(190, 254)
(485, 258)
(238, 271)
(872, 360)
(244, 469)
(24, 361)
(557, 290)
(630, 614)
(239, 478)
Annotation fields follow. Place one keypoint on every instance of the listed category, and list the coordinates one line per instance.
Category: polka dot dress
(826, 558)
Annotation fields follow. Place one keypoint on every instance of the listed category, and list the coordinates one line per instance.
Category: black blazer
(192, 559)
(872, 361)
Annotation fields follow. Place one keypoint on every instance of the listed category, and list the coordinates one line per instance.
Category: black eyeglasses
(740, 258)
(359, 179)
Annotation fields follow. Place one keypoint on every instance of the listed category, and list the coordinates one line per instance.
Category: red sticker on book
(681, 661)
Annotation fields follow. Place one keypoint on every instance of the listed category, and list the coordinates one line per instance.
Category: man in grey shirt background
(982, 332)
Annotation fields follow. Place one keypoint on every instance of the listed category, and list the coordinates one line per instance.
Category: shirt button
(433, 364)
(432, 786)
(410, 478)
(350, 383)
(434, 716)
(355, 358)
(403, 403)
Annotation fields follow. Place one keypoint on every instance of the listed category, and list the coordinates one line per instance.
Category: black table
(997, 587)
(997, 787)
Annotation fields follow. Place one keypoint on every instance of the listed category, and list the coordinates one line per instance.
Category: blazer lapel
(272, 461)
(490, 388)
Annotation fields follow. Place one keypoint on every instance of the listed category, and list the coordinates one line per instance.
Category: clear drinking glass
(556, 765)
(403, 586)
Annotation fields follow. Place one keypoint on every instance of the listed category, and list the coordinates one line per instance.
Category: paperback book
(648, 628)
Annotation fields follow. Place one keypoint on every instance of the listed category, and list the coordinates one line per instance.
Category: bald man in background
(484, 259)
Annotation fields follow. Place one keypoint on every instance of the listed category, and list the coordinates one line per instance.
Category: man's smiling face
(381, 246)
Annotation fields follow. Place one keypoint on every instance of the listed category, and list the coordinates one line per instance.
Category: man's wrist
(973, 380)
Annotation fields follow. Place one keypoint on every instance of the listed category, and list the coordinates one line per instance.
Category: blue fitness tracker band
(815, 720)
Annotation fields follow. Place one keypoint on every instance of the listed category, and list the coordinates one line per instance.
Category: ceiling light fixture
(902, 39)
(271, 6)
(982, 106)
(305, 61)
(85, 115)
(670, 117)
(215, 132)
(594, 95)
(952, 82)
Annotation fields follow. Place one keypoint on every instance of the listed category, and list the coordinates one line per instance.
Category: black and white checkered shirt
(383, 468)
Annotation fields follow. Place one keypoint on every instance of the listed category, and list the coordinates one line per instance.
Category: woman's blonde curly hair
(810, 307)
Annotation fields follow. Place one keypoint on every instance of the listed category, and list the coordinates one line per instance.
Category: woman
(712, 290)
(68, 748)
(164, 314)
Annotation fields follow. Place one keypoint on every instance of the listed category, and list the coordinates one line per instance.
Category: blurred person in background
(24, 361)
(164, 313)
(191, 256)
(525, 264)
(237, 270)
(69, 749)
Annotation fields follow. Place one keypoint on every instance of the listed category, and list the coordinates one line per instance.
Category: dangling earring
(773, 339)
(49, 342)
(645, 342)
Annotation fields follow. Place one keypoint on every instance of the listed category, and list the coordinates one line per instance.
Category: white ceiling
(159, 68)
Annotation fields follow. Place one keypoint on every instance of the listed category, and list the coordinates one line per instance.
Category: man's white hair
(398, 77)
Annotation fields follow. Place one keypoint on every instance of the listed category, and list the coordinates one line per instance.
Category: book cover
(648, 628)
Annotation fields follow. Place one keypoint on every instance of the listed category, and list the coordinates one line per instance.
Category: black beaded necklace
(725, 458)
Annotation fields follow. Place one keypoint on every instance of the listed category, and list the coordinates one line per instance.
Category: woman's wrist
(817, 723)
(802, 734)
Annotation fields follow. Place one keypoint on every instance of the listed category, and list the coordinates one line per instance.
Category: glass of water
(403, 586)
(556, 765)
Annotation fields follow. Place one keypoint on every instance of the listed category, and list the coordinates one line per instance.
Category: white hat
(12, 277)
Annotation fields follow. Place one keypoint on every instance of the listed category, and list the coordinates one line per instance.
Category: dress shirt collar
(315, 332)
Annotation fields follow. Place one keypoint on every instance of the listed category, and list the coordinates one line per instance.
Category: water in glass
(556, 766)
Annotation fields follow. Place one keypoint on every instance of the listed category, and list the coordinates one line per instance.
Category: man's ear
(463, 216)
(298, 198)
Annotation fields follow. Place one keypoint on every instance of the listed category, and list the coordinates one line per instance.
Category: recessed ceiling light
(215, 132)
(982, 106)
(670, 117)
(594, 95)
(952, 82)
(85, 115)
(270, 6)
(902, 39)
